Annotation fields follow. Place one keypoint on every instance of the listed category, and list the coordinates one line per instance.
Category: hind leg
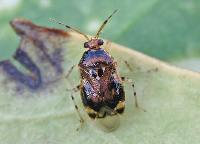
(81, 120)
(134, 92)
(73, 90)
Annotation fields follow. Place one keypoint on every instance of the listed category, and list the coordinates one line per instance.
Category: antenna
(104, 23)
(73, 29)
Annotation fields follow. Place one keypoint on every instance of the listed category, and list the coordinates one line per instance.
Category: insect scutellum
(94, 42)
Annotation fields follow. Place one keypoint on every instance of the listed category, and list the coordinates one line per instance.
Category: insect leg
(135, 96)
(128, 65)
(69, 72)
(81, 120)
(77, 88)
(134, 92)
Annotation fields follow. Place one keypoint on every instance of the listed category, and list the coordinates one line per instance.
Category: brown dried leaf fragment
(40, 53)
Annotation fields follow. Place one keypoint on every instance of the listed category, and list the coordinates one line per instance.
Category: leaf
(46, 114)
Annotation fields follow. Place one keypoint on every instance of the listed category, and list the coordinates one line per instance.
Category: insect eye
(100, 42)
(86, 45)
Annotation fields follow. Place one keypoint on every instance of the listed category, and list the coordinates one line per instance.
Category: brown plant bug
(101, 87)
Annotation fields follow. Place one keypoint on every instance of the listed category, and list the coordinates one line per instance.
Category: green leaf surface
(168, 30)
(169, 95)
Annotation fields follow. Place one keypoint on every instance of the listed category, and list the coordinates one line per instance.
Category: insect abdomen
(114, 101)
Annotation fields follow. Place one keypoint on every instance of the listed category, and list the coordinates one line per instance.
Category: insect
(101, 87)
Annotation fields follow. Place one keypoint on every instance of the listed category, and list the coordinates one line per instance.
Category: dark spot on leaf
(32, 81)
